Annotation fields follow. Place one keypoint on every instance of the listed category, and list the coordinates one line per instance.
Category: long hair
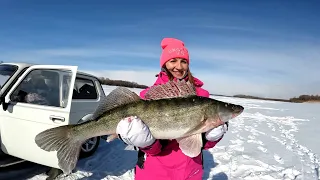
(171, 77)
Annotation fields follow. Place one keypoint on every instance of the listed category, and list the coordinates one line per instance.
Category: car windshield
(6, 71)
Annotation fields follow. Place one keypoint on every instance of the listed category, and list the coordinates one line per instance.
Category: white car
(34, 98)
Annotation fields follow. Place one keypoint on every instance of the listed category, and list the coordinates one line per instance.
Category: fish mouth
(229, 111)
(237, 110)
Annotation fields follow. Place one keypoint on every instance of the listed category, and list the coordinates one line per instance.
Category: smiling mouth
(178, 72)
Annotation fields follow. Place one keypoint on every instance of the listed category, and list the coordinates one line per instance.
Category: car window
(65, 88)
(41, 87)
(84, 89)
(6, 71)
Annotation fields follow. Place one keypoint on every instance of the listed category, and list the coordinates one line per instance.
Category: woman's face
(178, 67)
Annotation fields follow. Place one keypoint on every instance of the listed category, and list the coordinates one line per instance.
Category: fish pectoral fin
(191, 145)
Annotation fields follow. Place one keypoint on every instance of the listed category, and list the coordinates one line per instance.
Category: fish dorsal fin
(118, 97)
(171, 89)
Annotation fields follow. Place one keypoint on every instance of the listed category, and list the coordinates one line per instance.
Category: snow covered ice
(270, 140)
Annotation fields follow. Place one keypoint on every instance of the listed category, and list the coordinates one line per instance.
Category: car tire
(89, 147)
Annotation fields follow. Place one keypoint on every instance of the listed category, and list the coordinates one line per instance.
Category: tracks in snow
(258, 146)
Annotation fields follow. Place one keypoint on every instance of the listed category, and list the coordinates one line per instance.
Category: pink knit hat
(173, 48)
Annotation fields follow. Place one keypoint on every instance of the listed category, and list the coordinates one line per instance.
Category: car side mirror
(3, 103)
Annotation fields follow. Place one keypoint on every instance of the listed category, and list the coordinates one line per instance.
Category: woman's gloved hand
(133, 131)
(216, 133)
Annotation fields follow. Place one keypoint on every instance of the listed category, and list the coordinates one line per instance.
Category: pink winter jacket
(168, 162)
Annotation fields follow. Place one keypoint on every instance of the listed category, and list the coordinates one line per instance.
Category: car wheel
(89, 147)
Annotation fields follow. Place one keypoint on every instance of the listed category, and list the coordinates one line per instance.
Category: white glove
(134, 132)
(216, 133)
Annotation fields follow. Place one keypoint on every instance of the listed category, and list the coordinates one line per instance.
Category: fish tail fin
(60, 139)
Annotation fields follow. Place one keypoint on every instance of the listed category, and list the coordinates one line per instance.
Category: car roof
(25, 65)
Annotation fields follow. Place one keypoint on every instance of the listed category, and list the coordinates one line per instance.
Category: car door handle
(56, 118)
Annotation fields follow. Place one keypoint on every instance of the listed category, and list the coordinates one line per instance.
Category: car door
(39, 100)
(85, 98)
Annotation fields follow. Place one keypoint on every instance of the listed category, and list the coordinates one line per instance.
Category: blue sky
(268, 48)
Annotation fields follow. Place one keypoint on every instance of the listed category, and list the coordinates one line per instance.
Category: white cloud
(96, 52)
(144, 77)
(298, 67)
(218, 83)
(231, 85)
(297, 64)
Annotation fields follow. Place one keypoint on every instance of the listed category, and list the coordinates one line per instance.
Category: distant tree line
(255, 97)
(300, 99)
(305, 98)
(110, 82)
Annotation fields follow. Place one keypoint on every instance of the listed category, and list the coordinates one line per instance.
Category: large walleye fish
(171, 111)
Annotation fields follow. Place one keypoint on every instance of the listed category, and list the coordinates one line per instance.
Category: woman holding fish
(163, 159)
